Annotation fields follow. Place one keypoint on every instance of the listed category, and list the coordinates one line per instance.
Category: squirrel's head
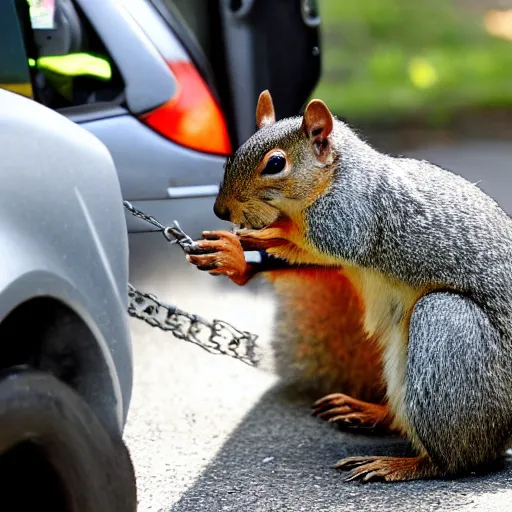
(280, 170)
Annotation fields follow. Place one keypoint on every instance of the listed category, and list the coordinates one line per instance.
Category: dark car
(170, 86)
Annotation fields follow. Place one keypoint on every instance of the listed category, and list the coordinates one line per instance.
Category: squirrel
(421, 255)
(319, 341)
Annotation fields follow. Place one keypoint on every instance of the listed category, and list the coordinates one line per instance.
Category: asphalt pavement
(208, 433)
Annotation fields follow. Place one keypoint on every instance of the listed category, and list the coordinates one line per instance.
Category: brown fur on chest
(385, 301)
(385, 307)
(320, 327)
(349, 328)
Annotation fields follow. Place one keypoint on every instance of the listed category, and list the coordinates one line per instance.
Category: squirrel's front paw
(220, 253)
(350, 413)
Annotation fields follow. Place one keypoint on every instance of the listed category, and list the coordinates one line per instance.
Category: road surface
(208, 433)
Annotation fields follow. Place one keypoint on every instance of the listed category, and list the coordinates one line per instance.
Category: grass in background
(390, 60)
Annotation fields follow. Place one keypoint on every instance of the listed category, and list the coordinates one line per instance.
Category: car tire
(55, 452)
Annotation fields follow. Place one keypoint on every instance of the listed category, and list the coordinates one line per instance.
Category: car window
(196, 17)
(14, 71)
(72, 66)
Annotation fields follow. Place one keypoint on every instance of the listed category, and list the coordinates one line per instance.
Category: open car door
(243, 47)
(270, 45)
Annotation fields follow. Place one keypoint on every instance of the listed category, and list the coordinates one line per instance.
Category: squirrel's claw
(206, 262)
(334, 398)
(351, 413)
(388, 469)
(220, 253)
(329, 414)
(354, 462)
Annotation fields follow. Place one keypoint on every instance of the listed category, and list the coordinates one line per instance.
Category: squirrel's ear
(265, 113)
(317, 124)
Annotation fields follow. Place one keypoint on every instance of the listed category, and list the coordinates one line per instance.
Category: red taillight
(191, 117)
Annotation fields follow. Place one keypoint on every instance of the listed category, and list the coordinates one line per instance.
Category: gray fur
(458, 382)
(426, 226)
(417, 222)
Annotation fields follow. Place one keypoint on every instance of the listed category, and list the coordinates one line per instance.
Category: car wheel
(55, 454)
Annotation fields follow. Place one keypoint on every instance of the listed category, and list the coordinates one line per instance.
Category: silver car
(65, 356)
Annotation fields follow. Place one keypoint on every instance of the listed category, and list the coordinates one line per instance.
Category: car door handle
(192, 191)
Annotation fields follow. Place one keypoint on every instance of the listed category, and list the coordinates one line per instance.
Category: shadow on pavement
(280, 459)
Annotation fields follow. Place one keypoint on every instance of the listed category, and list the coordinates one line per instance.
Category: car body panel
(62, 229)
(190, 214)
(133, 145)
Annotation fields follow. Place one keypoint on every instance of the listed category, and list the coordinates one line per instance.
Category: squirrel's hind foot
(387, 469)
(350, 413)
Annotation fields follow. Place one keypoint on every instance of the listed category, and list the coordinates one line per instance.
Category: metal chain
(173, 234)
(216, 337)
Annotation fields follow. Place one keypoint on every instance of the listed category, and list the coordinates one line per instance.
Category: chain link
(216, 337)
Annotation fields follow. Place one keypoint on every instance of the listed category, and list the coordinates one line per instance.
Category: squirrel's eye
(275, 165)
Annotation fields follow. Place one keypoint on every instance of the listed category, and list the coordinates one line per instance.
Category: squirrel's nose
(222, 212)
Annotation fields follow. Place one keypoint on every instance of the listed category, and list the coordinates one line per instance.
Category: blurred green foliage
(388, 60)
